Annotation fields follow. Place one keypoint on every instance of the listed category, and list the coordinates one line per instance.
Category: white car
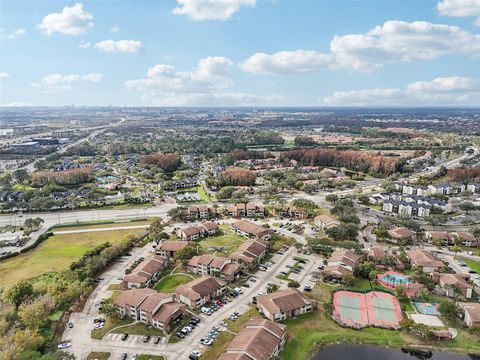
(64, 345)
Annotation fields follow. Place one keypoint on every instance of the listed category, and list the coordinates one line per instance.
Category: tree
(186, 253)
(331, 198)
(271, 288)
(348, 279)
(467, 206)
(18, 293)
(449, 310)
(436, 219)
(34, 313)
(20, 175)
(365, 268)
(364, 199)
(293, 284)
(6, 181)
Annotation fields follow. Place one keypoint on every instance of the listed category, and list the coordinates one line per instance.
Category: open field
(103, 226)
(56, 254)
(225, 238)
(170, 282)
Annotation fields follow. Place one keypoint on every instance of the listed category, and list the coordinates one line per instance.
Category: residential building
(200, 291)
(293, 212)
(67, 165)
(260, 339)
(377, 254)
(400, 233)
(445, 238)
(424, 260)
(213, 265)
(452, 283)
(150, 308)
(326, 222)
(472, 314)
(408, 208)
(146, 273)
(200, 212)
(249, 210)
(250, 252)
(191, 233)
(169, 248)
(341, 262)
(283, 304)
(251, 230)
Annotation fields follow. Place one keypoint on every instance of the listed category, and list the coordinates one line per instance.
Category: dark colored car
(157, 339)
(124, 337)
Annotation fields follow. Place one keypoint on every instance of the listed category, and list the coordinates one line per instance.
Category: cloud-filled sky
(241, 53)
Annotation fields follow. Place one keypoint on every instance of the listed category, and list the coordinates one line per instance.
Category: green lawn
(225, 238)
(170, 282)
(98, 355)
(102, 226)
(139, 329)
(56, 254)
(110, 323)
(474, 265)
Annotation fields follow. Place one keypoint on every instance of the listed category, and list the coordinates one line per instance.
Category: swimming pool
(393, 279)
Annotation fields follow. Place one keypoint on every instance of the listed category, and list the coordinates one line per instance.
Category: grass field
(474, 265)
(170, 283)
(139, 329)
(225, 238)
(55, 254)
(103, 226)
(110, 323)
(98, 355)
(150, 357)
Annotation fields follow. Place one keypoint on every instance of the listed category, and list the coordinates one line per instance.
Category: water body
(364, 352)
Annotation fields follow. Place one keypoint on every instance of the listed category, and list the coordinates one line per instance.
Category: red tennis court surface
(374, 308)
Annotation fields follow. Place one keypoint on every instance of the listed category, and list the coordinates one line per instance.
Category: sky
(240, 53)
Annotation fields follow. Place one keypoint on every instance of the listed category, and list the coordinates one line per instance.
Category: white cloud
(123, 46)
(4, 75)
(12, 35)
(115, 29)
(71, 21)
(460, 8)
(285, 62)
(58, 81)
(453, 90)
(392, 42)
(211, 9)
(211, 73)
(205, 85)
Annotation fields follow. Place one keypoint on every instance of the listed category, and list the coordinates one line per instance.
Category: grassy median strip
(110, 323)
(139, 329)
(97, 355)
(150, 357)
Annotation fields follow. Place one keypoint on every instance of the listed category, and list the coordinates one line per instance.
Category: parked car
(124, 337)
(64, 345)
(123, 356)
(180, 335)
(134, 356)
(157, 340)
(146, 338)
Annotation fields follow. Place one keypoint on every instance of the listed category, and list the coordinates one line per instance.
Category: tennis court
(374, 308)
(427, 308)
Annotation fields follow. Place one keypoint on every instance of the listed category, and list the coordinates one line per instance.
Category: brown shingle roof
(133, 297)
(283, 301)
(250, 228)
(424, 258)
(152, 301)
(173, 245)
(168, 311)
(400, 232)
(200, 287)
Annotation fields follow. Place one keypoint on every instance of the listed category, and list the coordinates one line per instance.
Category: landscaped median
(97, 355)
(110, 323)
(138, 329)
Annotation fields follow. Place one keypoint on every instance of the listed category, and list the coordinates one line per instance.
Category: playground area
(427, 308)
(391, 279)
(374, 308)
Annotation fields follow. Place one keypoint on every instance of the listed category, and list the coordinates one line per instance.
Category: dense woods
(355, 160)
(168, 162)
(235, 176)
(250, 154)
(464, 174)
(69, 177)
